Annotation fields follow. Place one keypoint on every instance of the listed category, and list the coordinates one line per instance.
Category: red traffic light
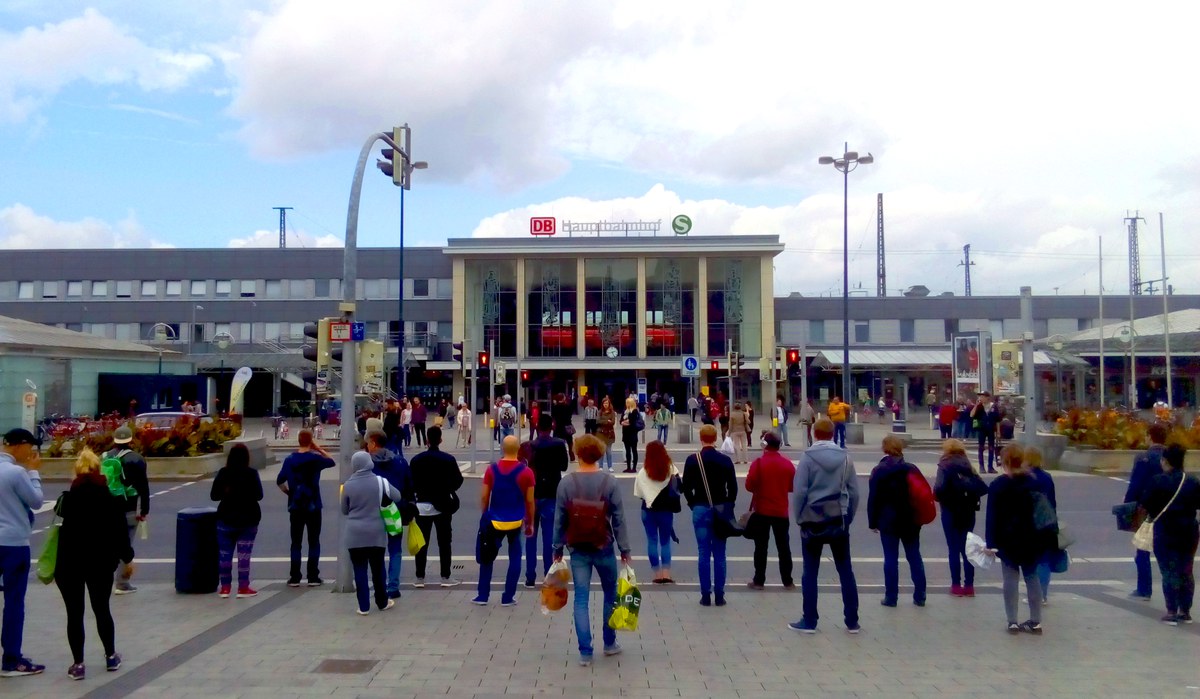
(483, 360)
(793, 356)
(715, 365)
(524, 375)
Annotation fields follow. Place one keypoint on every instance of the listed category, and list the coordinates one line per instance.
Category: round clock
(612, 352)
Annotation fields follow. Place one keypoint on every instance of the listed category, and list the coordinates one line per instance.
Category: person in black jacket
(562, 413)
(958, 488)
(1045, 483)
(136, 505)
(549, 458)
(394, 468)
(985, 420)
(1145, 467)
(1172, 498)
(631, 424)
(889, 513)
(237, 490)
(717, 469)
(436, 479)
(93, 540)
(1012, 536)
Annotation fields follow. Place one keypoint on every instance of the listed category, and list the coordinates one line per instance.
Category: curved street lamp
(849, 161)
(1056, 341)
(162, 332)
(1128, 337)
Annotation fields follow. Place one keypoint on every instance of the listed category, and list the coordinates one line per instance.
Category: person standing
(606, 429)
(590, 415)
(507, 502)
(589, 520)
(1045, 484)
(137, 492)
(1012, 536)
(1172, 499)
(465, 424)
(985, 418)
(406, 418)
(931, 404)
(300, 479)
(945, 419)
(663, 417)
(549, 460)
(562, 412)
(808, 415)
(420, 415)
(436, 479)
(693, 407)
(958, 488)
(781, 419)
(631, 424)
(825, 500)
(1145, 467)
(838, 414)
(770, 481)
(393, 468)
(391, 425)
(658, 486)
(738, 424)
(363, 532)
(890, 513)
(237, 489)
(709, 484)
(506, 417)
(20, 495)
(92, 542)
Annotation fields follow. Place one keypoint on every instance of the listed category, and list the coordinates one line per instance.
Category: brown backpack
(587, 524)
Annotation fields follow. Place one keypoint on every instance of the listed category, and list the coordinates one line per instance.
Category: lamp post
(162, 332)
(397, 163)
(849, 160)
(222, 341)
(1056, 341)
(192, 329)
(1128, 337)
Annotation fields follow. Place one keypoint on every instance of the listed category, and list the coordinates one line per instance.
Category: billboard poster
(1006, 367)
(970, 362)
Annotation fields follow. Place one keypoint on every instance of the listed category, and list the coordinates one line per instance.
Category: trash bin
(196, 550)
(899, 426)
(683, 432)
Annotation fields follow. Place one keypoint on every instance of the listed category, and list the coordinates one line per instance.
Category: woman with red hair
(657, 484)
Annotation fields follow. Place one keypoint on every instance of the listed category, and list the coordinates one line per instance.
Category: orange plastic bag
(554, 587)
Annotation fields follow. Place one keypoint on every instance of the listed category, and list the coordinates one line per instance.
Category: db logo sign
(542, 225)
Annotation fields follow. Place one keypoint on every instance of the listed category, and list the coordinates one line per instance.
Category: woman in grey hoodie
(363, 532)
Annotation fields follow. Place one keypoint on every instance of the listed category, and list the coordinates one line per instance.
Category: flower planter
(173, 467)
(1112, 461)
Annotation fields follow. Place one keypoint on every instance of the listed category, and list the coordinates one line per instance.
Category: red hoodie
(770, 480)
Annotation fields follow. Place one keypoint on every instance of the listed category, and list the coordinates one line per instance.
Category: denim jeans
(662, 433)
(987, 439)
(839, 548)
(362, 558)
(608, 456)
(1145, 579)
(514, 568)
(956, 543)
(783, 434)
(230, 540)
(395, 549)
(14, 572)
(543, 524)
(605, 563)
(1177, 565)
(659, 527)
(839, 434)
(1043, 575)
(891, 565)
(711, 550)
(1012, 581)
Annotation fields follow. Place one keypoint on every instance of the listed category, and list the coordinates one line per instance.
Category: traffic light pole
(491, 429)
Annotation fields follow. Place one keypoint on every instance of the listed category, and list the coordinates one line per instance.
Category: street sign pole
(491, 429)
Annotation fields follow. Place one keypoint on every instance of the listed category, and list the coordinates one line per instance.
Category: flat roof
(22, 334)
(612, 244)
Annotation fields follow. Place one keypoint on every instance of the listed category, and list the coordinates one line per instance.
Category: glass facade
(491, 304)
(734, 306)
(550, 301)
(670, 306)
(610, 308)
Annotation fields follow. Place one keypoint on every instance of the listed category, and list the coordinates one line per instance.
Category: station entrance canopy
(919, 359)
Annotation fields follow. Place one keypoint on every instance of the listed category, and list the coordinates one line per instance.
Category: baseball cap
(985, 393)
(122, 435)
(20, 436)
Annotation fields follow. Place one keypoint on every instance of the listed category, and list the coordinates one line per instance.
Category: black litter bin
(196, 550)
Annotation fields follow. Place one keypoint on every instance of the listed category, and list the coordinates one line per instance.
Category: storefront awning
(919, 360)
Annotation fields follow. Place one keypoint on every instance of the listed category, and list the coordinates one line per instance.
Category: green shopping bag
(390, 512)
(629, 602)
(48, 558)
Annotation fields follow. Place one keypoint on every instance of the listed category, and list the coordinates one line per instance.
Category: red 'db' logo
(541, 225)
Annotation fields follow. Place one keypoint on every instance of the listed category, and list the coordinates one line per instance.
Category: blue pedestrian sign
(358, 332)
(689, 366)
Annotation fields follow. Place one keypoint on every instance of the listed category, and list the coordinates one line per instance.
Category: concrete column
(1028, 370)
(767, 296)
(641, 308)
(702, 307)
(522, 310)
(580, 309)
(458, 322)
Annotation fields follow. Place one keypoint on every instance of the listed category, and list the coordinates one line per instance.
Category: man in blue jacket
(20, 495)
(300, 479)
(1145, 468)
(394, 468)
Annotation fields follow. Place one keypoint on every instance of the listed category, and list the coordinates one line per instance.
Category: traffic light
(483, 360)
(318, 354)
(735, 363)
(370, 366)
(793, 356)
(716, 365)
(524, 376)
(392, 162)
(499, 373)
(460, 354)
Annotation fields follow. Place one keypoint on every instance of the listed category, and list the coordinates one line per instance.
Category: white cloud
(22, 228)
(39, 62)
(295, 239)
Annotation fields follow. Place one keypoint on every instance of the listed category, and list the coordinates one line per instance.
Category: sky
(1029, 131)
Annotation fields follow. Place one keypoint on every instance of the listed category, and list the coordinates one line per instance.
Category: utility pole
(282, 225)
(1135, 260)
(1101, 387)
(880, 266)
(1162, 243)
(966, 264)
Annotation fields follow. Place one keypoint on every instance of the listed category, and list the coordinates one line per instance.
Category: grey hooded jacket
(825, 473)
(361, 498)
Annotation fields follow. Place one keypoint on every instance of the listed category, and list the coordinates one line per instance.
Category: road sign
(339, 332)
(641, 386)
(681, 224)
(689, 366)
(358, 332)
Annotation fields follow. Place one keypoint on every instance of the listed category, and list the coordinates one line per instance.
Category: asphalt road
(1101, 554)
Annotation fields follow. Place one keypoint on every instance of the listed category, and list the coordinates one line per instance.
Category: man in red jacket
(770, 481)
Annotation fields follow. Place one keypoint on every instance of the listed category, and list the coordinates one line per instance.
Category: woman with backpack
(238, 490)
(92, 542)
(588, 520)
(1015, 539)
(631, 424)
(958, 488)
(657, 484)
(890, 513)
(1033, 462)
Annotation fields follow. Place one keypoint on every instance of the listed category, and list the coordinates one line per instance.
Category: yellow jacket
(839, 411)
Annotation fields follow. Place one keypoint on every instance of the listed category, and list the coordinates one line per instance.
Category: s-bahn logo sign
(542, 225)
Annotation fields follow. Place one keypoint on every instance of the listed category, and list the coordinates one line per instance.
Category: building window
(248, 288)
(908, 330)
(76, 327)
(219, 328)
(862, 331)
(321, 288)
(49, 290)
(244, 332)
(951, 327)
(445, 288)
(224, 288)
(199, 288)
(75, 289)
(174, 288)
(124, 290)
(420, 288)
(297, 288)
(271, 330)
(393, 288)
(149, 289)
(25, 290)
(373, 288)
(99, 289)
(274, 289)
(816, 332)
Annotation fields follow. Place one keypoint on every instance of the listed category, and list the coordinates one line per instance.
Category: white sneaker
(451, 582)
(419, 583)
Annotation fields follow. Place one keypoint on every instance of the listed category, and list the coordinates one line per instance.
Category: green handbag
(390, 512)
(48, 558)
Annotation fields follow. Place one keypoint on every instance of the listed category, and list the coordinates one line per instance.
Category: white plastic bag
(977, 552)
(554, 587)
(727, 446)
